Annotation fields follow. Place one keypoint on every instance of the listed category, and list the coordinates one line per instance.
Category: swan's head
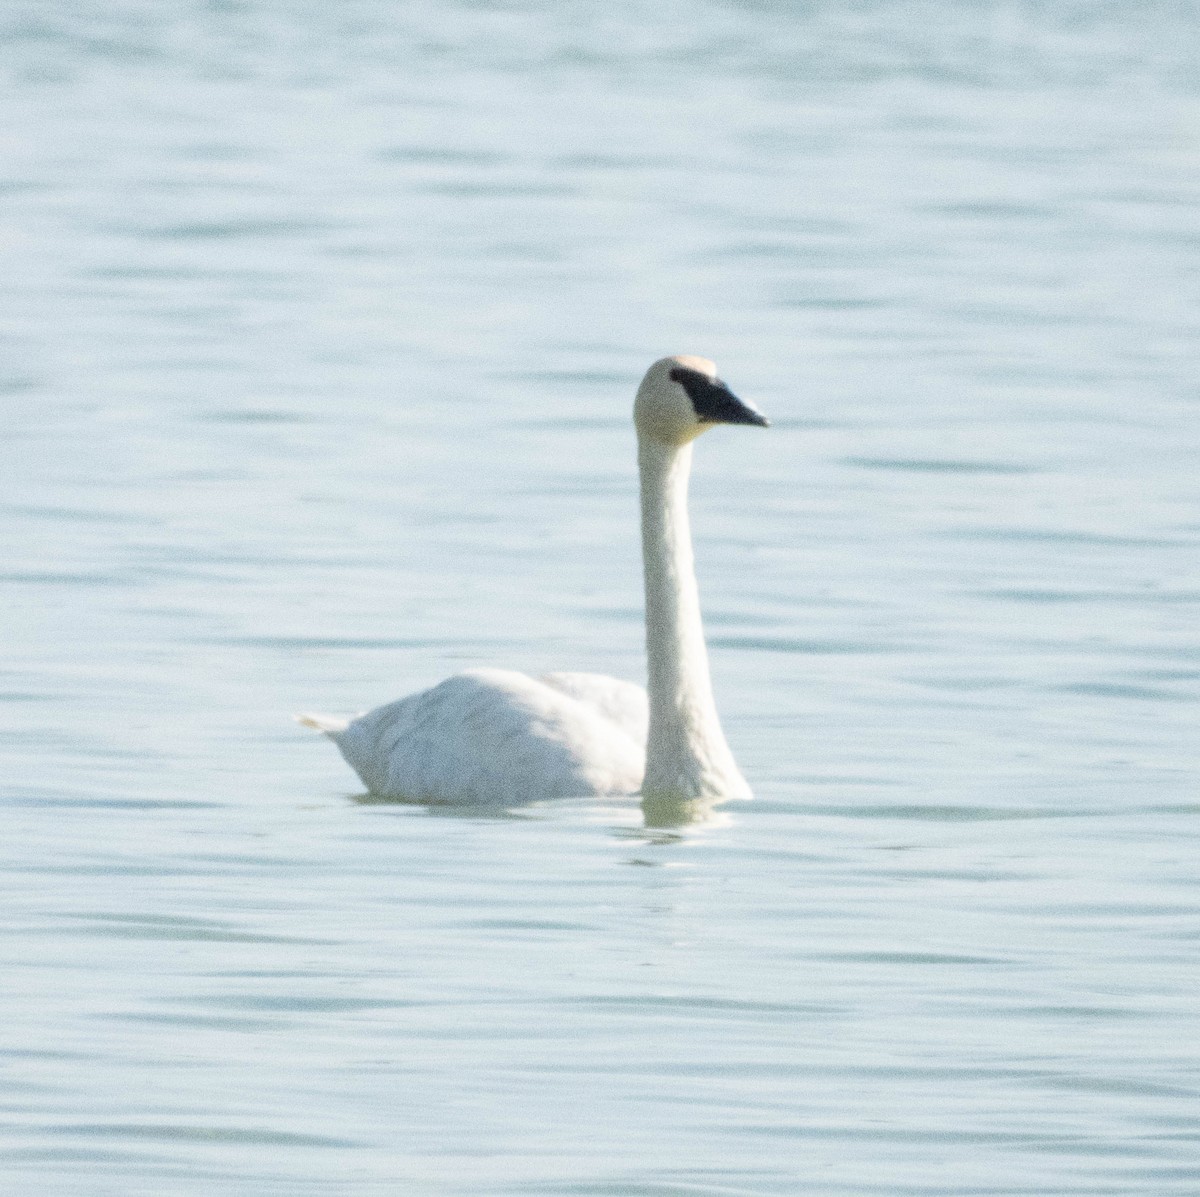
(682, 396)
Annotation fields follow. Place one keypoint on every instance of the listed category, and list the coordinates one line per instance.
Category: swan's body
(515, 739)
(495, 737)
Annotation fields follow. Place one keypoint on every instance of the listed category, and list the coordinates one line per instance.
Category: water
(321, 329)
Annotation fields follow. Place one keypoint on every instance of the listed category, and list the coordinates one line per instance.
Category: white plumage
(499, 738)
(494, 736)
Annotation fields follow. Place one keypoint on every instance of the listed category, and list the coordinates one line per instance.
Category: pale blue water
(320, 330)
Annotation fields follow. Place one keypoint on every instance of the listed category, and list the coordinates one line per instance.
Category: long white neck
(687, 758)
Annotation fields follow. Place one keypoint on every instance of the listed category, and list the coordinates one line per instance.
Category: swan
(495, 737)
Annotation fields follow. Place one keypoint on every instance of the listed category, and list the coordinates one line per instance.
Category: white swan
(495, 737)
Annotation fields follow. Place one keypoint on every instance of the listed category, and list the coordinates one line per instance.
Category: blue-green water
(320, 330)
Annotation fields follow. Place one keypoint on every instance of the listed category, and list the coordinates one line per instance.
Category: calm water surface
(321, 326)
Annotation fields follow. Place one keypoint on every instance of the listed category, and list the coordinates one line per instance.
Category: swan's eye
(687, 378)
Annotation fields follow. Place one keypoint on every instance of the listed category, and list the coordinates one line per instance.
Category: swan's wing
(490, 736)
(622, 702)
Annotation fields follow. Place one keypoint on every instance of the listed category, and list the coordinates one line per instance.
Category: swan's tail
(331, 725)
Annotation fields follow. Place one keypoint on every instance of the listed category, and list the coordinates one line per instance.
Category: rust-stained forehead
(701, 365)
